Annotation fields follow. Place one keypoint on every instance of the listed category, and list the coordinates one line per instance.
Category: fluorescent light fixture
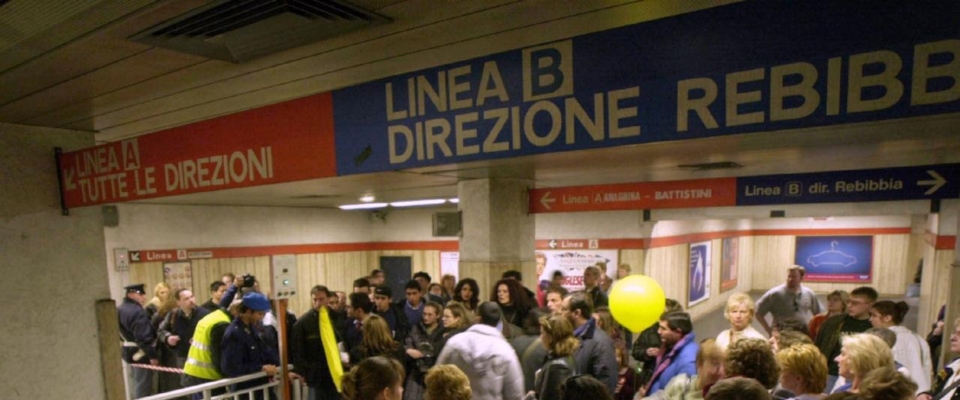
(367, 198)
(414, 203)
(454, 200)
(364, 206)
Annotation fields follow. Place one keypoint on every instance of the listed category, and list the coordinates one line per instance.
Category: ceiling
(71, 65)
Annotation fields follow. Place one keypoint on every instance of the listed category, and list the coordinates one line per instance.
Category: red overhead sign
(636, 196)
(284, 142)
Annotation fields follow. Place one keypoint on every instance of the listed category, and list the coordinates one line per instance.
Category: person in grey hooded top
(484, 355)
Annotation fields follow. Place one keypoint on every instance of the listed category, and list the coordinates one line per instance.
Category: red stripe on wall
(938, 242)
(257, 251)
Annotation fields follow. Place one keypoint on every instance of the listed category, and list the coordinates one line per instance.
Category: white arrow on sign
(546, 200)
(936, 183)
(68, 182)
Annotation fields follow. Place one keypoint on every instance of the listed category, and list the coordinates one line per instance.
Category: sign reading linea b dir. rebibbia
(732, 69)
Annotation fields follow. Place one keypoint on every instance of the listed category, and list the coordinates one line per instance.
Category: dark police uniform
(138, 340)
(245, 352)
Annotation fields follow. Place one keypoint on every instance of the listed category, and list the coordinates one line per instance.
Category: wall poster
(836, 258)
(572, 263)
(729, 267)
(178, 275)
(700, 272)
(450, 264)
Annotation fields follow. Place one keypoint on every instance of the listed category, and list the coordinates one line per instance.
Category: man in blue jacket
(244, 350)
(678, 351)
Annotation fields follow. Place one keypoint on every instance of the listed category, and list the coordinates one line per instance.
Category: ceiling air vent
(710, 166)
(243, 30)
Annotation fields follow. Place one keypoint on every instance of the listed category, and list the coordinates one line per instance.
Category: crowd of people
(444, 341)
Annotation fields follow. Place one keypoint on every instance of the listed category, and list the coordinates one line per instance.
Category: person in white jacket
(911, 350)
(487, 359)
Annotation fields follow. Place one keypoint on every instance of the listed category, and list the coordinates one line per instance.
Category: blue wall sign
(889, 184)
(740, 68)
(835, 258)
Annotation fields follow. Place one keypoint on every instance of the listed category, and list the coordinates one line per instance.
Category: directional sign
(889, 184)
(635, 196)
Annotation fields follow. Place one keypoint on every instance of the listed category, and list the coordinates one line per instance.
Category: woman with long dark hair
(512, 299)
(467, 293)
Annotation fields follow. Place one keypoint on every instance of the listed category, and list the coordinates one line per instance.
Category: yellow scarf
(330, 347)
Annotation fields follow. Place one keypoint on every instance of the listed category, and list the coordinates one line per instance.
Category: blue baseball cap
(256, 302)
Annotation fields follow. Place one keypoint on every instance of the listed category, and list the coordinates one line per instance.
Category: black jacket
(648, 338)
(176, 323)
(135, 327)
(306, 350)
(596, 356)
(553, 373)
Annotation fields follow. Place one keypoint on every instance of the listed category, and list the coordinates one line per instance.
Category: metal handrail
(207, 388)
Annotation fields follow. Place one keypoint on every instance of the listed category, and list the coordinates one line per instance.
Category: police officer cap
(256, 302)
(135, 288)
(383, 290)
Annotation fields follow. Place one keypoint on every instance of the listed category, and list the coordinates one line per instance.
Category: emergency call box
(284, 268)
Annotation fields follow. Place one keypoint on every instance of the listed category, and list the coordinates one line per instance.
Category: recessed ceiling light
(363, 206)
(367, 198)
(414, 203)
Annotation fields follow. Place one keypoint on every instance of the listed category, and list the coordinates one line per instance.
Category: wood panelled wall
(891, 270)
(934, 286)
(669, 267)
(335, 270)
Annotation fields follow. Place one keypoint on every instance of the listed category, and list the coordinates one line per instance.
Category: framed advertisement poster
(846, 259)
(178, 275)
(699, 270)
(572, 263)
(729, 267)
(450, 264)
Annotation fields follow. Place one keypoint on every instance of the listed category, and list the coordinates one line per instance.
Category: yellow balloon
(636, 302)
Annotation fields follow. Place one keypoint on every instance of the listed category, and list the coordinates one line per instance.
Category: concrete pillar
(953, 300)
(53, 277)
(498, 232)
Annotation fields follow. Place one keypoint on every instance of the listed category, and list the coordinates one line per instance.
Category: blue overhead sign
(741, 68)
(907, 183)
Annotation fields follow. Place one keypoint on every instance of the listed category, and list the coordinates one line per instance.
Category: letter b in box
(548, 71)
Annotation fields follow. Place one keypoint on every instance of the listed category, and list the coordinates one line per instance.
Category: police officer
(138, 340)
(244, 350)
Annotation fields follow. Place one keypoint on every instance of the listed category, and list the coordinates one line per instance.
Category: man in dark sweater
(177, 328)
(307, 349)
(217, 289)
(856, 320)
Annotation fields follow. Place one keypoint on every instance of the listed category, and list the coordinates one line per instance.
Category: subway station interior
(144, 141)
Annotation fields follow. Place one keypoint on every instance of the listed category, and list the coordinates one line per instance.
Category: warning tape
(158, 368)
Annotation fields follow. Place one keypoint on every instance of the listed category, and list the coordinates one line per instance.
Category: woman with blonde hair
(447, 382)
(376, 341)
(740, 312)
(556, 334)
(376, 378)
(859, 354)
(803, 371)
(161, 293)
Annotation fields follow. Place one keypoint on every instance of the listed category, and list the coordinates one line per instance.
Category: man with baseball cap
(138, 340)
(395, 317)
(244, 350)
